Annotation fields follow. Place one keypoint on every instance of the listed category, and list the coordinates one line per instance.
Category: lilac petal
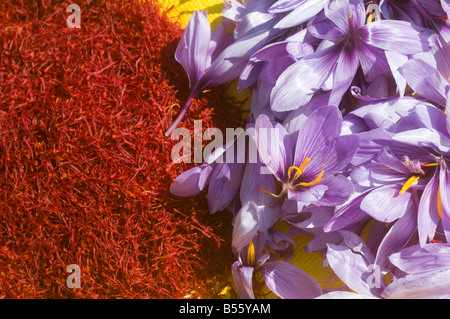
(385, 204)
(224, 185)
(298, 83)
(397, 237)
(347, 215)
(220, 39)
(429, 285)
(243, 279)
(417, 259)
(301, 14)
(246, 226)
(320, 128)
(444, 190)
(428, 216)
(424, 80)
(289, 282)
(339, 11)
(339, 190)
(273, 146)
(192, 181)
(345, 71)
(393, 35)
(193, 48)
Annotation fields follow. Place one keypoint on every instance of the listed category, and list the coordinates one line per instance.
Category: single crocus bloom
(307, 162)
(354, 44)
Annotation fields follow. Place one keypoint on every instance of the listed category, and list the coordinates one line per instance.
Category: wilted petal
(385, 204)
(289, 282)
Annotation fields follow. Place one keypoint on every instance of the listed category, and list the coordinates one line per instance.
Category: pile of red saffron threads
(85, 168)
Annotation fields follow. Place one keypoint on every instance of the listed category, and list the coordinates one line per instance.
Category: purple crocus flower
(307, 161)
(211, 60)
(427, 272)
(420, 272)
(406, 182)
(354, 44)
(255, 252)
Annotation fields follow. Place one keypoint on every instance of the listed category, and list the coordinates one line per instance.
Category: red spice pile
(84, 165)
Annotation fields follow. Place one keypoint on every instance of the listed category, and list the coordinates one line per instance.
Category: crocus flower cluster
(350, 118)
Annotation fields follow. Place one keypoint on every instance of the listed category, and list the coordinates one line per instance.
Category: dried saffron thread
(84, 166)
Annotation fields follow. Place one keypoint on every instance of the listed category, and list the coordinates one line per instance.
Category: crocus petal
(298, 83)
(344, 295)
(289, 282)
(347, 215)
(192, 181)
(193, 48)
(309, 195)
(397, 237)
(345, 71)
(428, 216)
(254, 187)
(273, 145)
(243, 279)
(323, 28)
(393, 35)
(385, 204)
(224, 185)
(417, 259)
(352, 267)
(339, 12)
(339, 190)
(444, 191)
(320, 128)
(424, 80)
(373, 61)
(285, 5)
(429, 285)
(302, 13)
(245, 227)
